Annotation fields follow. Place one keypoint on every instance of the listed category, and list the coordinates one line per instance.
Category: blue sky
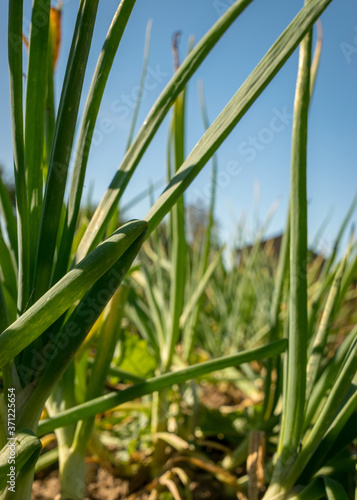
(260, 144)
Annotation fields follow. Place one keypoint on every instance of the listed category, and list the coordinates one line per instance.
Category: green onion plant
(62, 289)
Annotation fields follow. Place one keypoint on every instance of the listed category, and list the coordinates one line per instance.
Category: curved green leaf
(69, 289)
(26, 448)
(334, 490)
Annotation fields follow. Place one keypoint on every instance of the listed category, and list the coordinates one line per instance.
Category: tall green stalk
(16, 106)
(178, 242)
(297, 351)
(62, 145)
(271, 396)
(295, 377)
(35, 118)
(94, 99)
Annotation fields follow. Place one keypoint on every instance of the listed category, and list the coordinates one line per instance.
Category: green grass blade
(109, 401)
(200, 288)
(328, 377)
(297, 355)
(348, 277)
(4, 315)
(313, 491)
(50, 114)
(316, 59)
(69, 289)
(331, 259)
(62, 145)
(282, 269)
(108, 338)
(247, 281)
(318, 344)
(46, 460)
(90, 114)
(323, 285)
(210, 223)
(107, 341)
(325, 418)
(236, 108)
(138, 316)
(8, 271)
(178, 241)
(326, 276)
(16, 107)
(159, 257)
(35, 118)
(320, 232)
(152, 123)
(9, 217)
(334, 490)
(157, 314)
(333, 436)
(190, 332)
(10, 305)
(283, 266)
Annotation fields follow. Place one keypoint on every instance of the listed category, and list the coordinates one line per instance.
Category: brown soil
(103, 486)
(214, 397)
(46, 489)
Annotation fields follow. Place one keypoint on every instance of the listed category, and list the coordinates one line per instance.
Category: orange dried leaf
(55, 31)
(26, 42)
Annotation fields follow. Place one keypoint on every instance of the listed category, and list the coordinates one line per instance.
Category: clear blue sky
(332, 173)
